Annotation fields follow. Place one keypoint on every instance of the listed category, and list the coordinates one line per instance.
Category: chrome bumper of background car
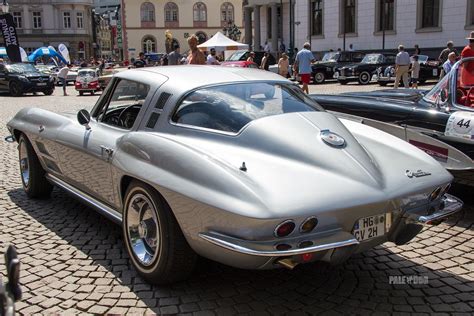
(267, 248)
(452, 205)
(346, 77)
(385, 79)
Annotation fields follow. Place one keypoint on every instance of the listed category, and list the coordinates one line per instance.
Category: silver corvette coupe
(236, 165)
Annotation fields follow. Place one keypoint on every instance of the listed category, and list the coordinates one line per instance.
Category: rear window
(228, 108)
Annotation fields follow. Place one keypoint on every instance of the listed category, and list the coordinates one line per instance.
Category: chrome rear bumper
(267, 248)
(451, 205)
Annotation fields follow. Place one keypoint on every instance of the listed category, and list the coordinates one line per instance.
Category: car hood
(289, 166)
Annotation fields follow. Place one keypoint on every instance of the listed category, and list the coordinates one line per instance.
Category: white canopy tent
(221, 43)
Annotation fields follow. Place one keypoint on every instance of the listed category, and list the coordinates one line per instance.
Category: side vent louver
(152, 121)
(162, 100)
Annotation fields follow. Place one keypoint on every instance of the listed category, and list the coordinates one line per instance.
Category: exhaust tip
(287, 263)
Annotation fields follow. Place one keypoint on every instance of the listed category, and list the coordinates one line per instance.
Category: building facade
(146, 22)
(366, 24)
(43, 23)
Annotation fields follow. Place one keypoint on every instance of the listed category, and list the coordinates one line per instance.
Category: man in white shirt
(62, 75)
(402, 66)
(211, 58)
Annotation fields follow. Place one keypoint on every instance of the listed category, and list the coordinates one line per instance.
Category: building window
(37, 20)
(385, 15)
(17, 20)
(430, 13)
(149, 44)
(80, 20)
(349, 16)
(67, 20)
(470, 14)
(147, 12)
(227, 13)
(316, 17)
(171, 12)
(200, 12)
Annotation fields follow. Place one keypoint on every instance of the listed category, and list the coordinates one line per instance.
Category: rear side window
(228, 108)
(357, 57)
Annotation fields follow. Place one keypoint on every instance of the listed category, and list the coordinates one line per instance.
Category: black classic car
(364, 71)
(445, 113)
(22, 78)
(429, 70)
(325, 69)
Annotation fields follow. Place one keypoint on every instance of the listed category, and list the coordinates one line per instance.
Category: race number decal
(461, 125)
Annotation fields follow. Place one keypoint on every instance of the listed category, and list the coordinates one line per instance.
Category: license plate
(371, 227)
(84, 85)
(41, 84)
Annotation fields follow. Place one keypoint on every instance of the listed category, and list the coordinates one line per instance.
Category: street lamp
(5, 7)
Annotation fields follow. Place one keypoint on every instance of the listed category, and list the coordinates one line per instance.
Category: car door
(87, 153)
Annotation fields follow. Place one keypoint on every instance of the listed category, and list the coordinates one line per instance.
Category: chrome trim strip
(452, 205)
(105, 210)
(214, 239)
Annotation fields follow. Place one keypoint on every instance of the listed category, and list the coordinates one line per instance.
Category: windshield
(435, 93)
(237, 55)
(230, 107)
(372, 59)
(422, 59)
(89, 73)
(330, 57)
(21, 68)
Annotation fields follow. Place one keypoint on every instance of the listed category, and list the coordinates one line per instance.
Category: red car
(87, 81)
(240, 63)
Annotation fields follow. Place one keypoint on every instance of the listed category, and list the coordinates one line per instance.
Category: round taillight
(435, 194)
(285, 228)
(309, 224)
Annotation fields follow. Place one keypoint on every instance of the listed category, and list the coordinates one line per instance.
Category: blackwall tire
(364, 78)
(32, 173)
(152, 236)
(319, 77)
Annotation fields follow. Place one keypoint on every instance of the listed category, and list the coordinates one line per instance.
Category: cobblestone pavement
(73, 260)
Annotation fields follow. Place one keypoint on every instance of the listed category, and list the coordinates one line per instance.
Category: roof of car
(192, 76)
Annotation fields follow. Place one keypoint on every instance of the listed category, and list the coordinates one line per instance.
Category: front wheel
(364, 78)
(32, 173)
(48, 92)
(153, 238)
(15, 89)
(319, 77)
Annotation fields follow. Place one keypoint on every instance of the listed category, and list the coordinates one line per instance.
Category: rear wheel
(32, 173)
(364, 77)
(153, 238)
(319, 77)
(15, 89)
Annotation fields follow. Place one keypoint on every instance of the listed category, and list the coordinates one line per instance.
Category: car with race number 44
(237, 165)
(445, 114)
(20, 78)
(326, 69)
(363, 72)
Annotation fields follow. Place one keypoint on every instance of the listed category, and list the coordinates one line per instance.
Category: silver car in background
(236, 165)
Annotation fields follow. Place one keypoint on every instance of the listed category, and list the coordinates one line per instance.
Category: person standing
(351, 47)
(467, 73)
(417, 50)
(62, 75)
(283, 65)
(402, 63)
(264, 64)
(211, 58)
(448, 65)
(174, 56)
(303, 61)
(443, 57)
(195, 57)
(415, 72)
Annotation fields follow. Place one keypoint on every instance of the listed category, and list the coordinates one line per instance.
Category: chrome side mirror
(84, 118)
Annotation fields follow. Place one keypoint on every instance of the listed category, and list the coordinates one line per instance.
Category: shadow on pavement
(360, 286)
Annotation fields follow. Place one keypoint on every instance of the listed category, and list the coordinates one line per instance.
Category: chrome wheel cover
(319, 77)
(143, 229)
(24, 164)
